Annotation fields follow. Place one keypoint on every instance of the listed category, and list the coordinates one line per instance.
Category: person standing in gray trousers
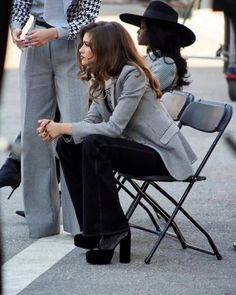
(48, 73)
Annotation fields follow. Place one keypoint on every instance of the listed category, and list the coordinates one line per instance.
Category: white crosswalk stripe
(33, 261)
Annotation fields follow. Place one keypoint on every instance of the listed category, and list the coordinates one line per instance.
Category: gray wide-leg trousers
(48, 78)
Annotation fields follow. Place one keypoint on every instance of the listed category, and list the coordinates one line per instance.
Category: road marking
(29, 264)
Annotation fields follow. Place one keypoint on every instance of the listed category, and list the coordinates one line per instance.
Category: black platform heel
(125, 249)
(102, 256)
(10, 175)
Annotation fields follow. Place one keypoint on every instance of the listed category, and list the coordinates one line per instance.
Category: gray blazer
(139, 116)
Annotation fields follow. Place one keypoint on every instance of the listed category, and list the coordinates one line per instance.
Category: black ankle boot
(86, 242)
(10, 174)
(104, 256)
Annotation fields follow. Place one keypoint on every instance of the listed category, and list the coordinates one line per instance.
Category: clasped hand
(48, 130)
(34, 38)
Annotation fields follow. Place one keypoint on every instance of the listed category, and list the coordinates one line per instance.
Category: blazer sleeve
(93, 115)
(20, 13)
(80, 13)
(133, 85)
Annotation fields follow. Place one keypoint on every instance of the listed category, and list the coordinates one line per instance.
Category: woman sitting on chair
(126, 130)
(164, 37)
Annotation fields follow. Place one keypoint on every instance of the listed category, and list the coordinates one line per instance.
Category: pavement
(54, 266)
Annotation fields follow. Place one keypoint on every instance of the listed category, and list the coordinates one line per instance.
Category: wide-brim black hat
(161, 12)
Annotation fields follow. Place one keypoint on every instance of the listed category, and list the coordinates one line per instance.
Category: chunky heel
(125, 246)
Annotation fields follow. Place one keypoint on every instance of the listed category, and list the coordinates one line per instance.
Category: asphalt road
(53, 266)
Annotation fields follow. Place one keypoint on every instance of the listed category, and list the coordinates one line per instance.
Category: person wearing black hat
(164, 37)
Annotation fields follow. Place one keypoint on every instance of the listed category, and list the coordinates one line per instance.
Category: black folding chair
(204, 116)
(175, 103)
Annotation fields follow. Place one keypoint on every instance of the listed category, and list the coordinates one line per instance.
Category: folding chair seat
(201, 116)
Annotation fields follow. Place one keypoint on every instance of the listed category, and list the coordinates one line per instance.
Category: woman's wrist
(65, 128)
(54, 33)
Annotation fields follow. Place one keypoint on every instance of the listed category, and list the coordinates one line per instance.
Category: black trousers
(88, 169)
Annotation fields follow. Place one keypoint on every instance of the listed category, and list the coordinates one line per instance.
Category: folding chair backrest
(206, 116)
(176, 101)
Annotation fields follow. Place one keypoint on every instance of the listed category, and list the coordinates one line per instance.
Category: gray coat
(139, 116)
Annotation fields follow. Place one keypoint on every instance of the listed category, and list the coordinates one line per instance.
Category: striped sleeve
(81, 13)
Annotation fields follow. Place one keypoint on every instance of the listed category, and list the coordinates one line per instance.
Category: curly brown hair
(113, 47)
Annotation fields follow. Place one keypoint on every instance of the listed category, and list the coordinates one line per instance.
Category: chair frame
(223, 116)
